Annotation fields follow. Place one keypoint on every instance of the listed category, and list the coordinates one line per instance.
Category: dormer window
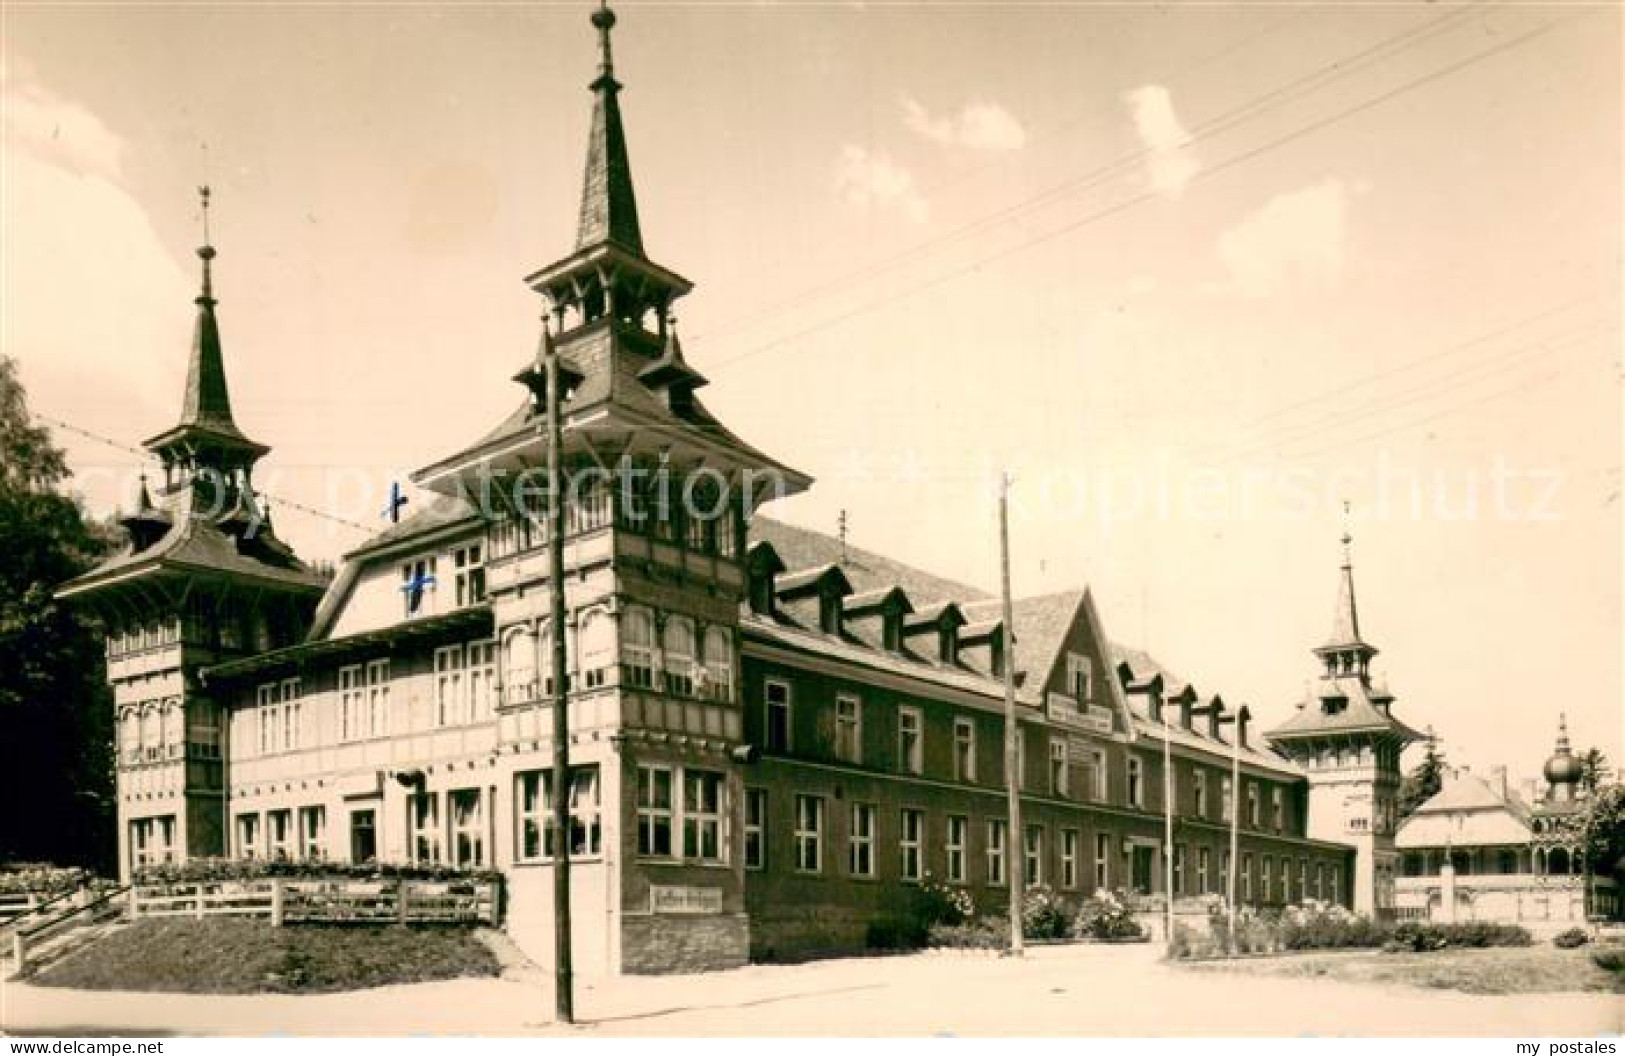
(942, 622)
(762, 566)
(828, 585)
(885, 608)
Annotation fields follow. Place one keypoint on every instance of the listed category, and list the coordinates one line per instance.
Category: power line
(148, 456)
(1101, 214)
(1222, 122)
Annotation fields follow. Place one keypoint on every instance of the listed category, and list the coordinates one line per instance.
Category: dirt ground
(1068, 990)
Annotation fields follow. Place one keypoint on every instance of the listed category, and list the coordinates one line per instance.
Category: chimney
(1215, 718)
(1498, 780)
(1243, 717)
(1528, 790)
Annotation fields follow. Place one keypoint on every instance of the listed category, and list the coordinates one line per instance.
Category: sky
(1196, 275)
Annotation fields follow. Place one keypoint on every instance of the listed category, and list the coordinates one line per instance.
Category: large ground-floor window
(535, 838)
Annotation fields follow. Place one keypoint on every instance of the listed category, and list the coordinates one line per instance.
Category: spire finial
(205, 252)
(1347, 537)
(604, 20)
(842, 523)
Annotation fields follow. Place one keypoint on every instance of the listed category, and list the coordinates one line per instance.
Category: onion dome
(1563, 768)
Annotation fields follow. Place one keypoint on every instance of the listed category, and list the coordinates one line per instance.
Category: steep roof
(801, 548)
(1359, 714)
(1466, 811)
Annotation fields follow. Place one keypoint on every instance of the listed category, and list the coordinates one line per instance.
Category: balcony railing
(623, 676)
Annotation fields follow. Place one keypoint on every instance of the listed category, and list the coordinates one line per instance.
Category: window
(595, 649)
(1331, 873)
(1266, 872)
(1179, 869)
(279, 835)
(350, 702)
(1252, 804)
(1277, 809)
(1199, 793)
(1057, 767)
(1204, 858)
(1136, 782)
(265, 716)
(1070, 840)
(448, 686)
(1080, 677)
(1320, 879)
(809, 833)
(519, 666)
(481, 669)
(965, 749)
(755, 828)
(910, 843)
(536, 814)
(1286, 880)
(312, 833)
(417, 585)
(848, 729)
(702, 815)
(719, 665)
(290, 715)
(861, 841)
(1103, 851)
(637, 648)
(995, 853)
(654, 811)
(1247, 877)
(1099, 776)
(910, 742)
(1033, 864)
(777, 719)
(248, 835)
(1227, 801)
(1303, 879)
(958, 830)
(679, 658)
(467, 827)
(377, 698)
(468, 572)
(423, 822)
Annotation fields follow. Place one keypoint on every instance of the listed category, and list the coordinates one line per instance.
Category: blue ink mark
(396, 501)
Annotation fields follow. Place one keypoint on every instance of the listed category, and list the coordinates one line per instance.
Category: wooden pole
(1235, 830)
(1016, 843)
(1167, 834)
(563, 973)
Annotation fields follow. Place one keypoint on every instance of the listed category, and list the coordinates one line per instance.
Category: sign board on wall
(1064, 710)
(674, 899)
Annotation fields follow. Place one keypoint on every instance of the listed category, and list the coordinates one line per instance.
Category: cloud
(97, 311)
(979, 126)
(1171, 163)
(1295, 238)
(872, 180)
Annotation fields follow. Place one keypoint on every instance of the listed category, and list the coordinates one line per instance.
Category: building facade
(1478, 850)
(774, 737)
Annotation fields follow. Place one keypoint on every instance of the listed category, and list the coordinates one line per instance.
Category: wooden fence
(316, 900)
(17, 905)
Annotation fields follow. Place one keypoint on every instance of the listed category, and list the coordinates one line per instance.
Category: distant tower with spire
(203, 578)
(1346, 738)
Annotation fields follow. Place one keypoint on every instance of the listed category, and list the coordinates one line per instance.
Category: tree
(56, 752)
(1594, 770)
(1424, 781)
(1602, 828)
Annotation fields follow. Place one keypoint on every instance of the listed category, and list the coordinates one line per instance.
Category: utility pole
(1016, 842)
(1167, 832)
(1235, 828)
(563, 968)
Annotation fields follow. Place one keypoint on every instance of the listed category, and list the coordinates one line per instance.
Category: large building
(1480, 850)
(773, 735)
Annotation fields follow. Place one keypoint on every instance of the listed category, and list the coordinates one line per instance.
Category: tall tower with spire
(657, 495)
(202, 578)
(1345, 736)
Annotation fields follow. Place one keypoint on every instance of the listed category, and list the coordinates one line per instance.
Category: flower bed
(45, 881)
(1320, 926)
(224, 870)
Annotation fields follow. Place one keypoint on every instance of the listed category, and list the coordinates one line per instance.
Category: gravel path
(1088, 990)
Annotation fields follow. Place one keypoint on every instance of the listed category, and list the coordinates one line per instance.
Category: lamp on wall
(411, 779)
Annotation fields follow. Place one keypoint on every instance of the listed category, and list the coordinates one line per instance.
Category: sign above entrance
(664, 899)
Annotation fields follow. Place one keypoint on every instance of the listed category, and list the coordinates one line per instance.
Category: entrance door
(1140, 868)
(363, 835)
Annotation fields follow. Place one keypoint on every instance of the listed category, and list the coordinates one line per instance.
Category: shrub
(937, 903)
(1105, 915)
(1418, 937)
(895, 933)
(1191, 944)
(1322, 926)
(1045, 914)
(1571, 939)
(227, 870)
(982, 933)
(38, 878)
(1609, 960)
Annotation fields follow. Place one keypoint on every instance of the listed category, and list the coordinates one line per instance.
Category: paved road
(1093, 990)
